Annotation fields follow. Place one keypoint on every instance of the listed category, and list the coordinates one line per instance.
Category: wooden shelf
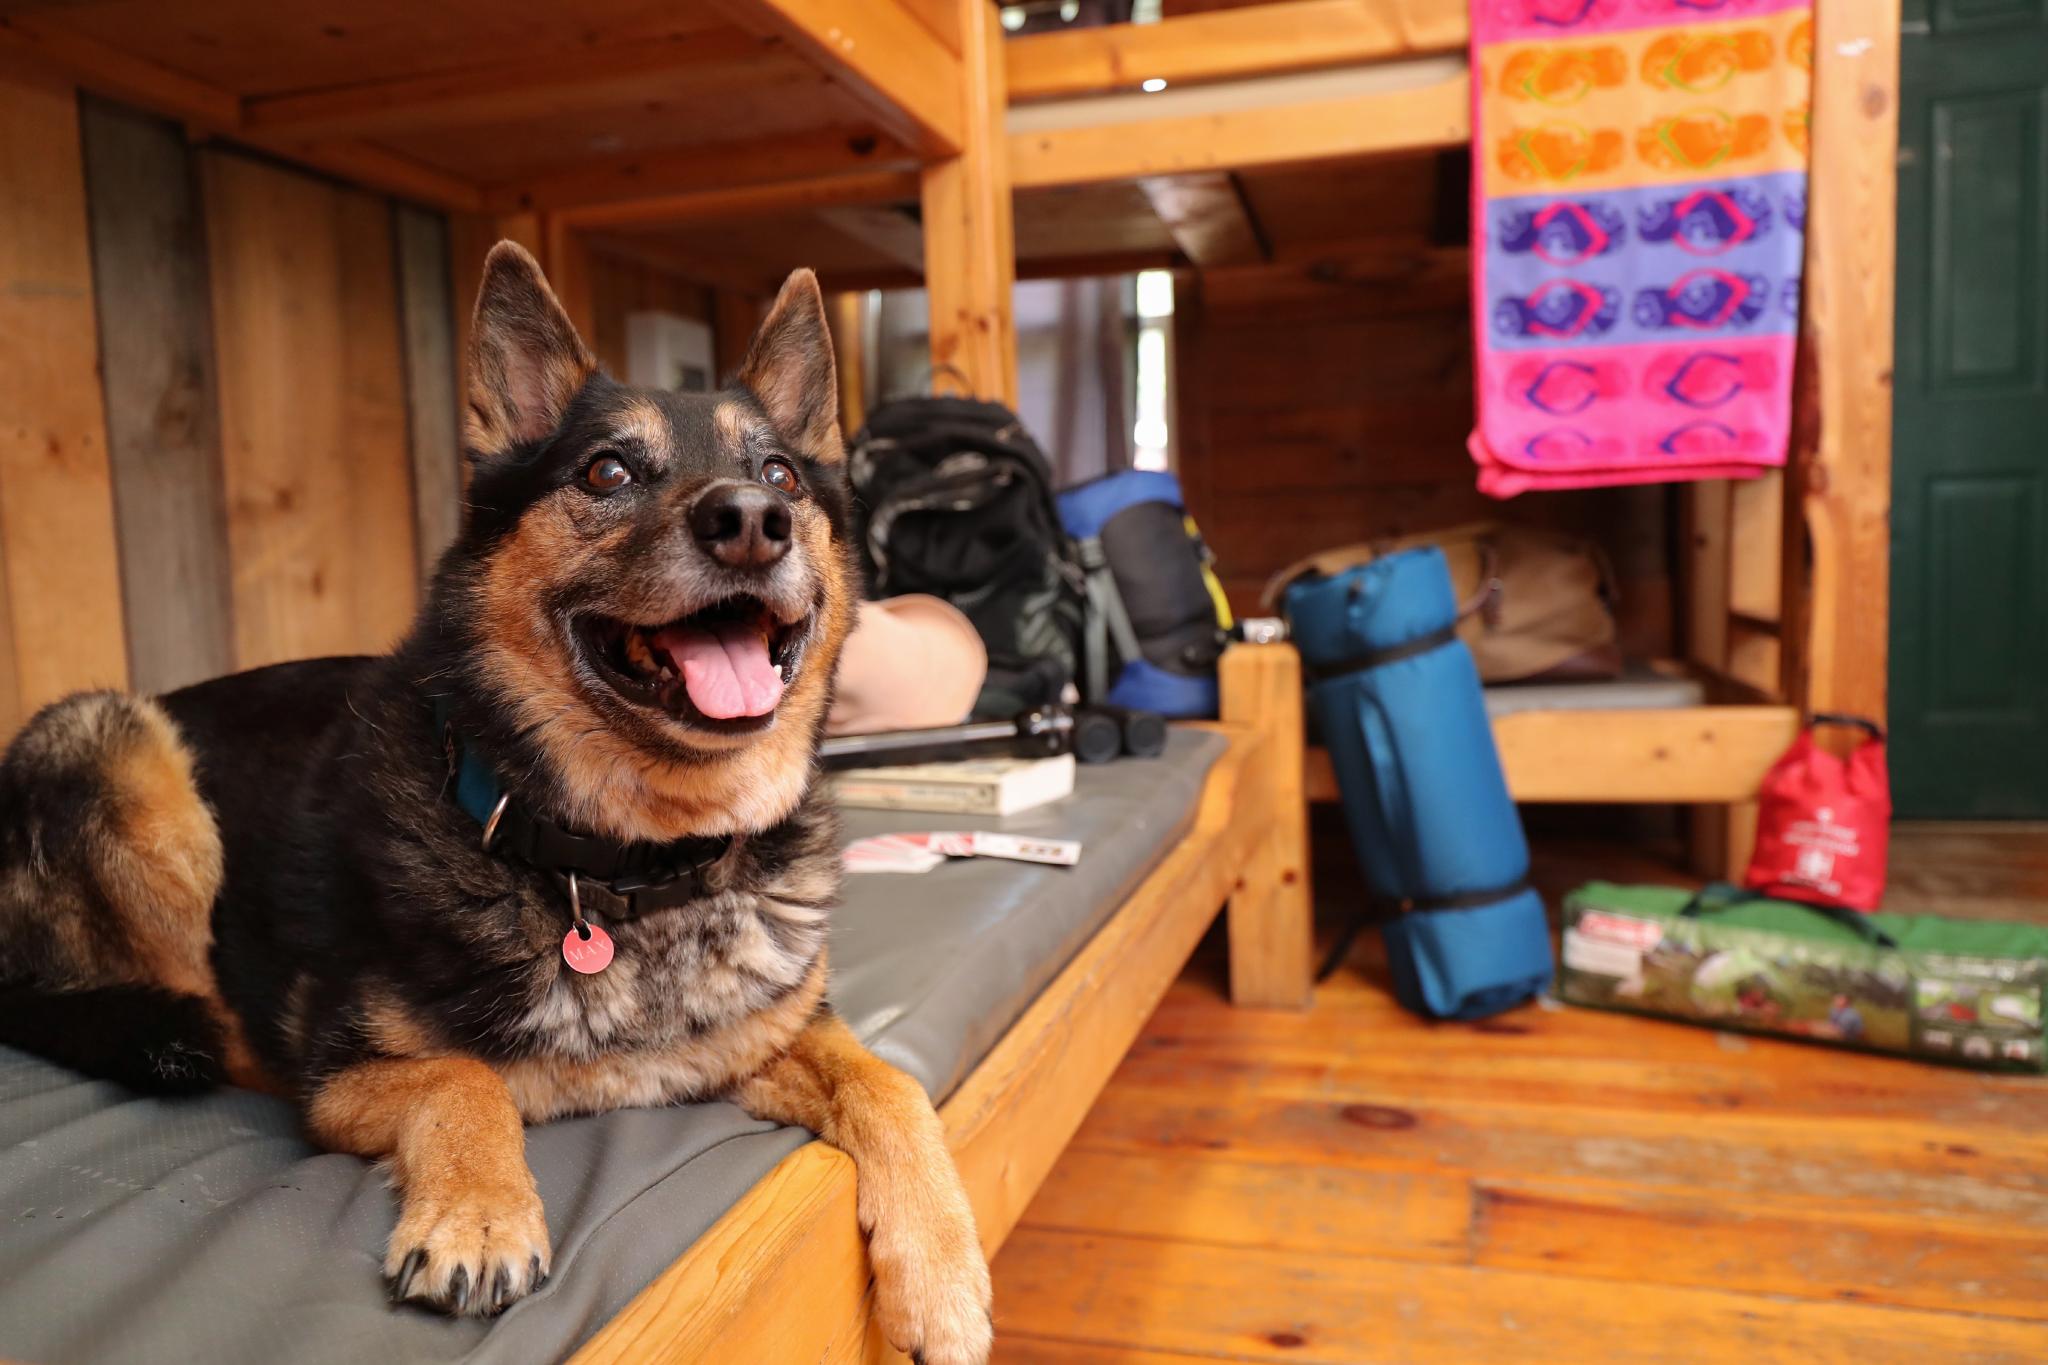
(1689, 754)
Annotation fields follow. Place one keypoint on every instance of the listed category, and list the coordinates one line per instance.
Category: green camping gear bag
(1963, 991)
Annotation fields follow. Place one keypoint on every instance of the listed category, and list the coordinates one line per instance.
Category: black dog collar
(623, 880)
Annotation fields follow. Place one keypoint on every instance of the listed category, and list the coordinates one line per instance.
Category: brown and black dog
(366, 881)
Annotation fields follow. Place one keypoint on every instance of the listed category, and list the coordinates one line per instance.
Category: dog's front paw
(932, 1294)
(470, 1254)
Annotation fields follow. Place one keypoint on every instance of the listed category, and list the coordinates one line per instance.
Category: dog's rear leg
(471, 1238)
(931, 1280)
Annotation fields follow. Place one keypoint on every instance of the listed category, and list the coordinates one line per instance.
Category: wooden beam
(116, 74)
(882, 54)
(1208, 217)
(969, 238)
(1126, 144)
(1272, 911)
(606, 77)
(750, 201)
(426, 296)
(587, 188)
(58, 555)
(1687, 754)
(1038, 268)
(942, 17)
(1257, 40)
(374, 168)
(1850, 243)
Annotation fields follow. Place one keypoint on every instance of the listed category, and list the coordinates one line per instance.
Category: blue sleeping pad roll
(1397, 700)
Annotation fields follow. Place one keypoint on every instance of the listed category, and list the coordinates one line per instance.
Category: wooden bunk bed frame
(883, 101)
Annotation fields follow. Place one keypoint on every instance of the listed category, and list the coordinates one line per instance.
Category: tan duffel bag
(1537, 604)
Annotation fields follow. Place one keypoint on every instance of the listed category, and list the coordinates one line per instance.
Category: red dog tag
(587, 955)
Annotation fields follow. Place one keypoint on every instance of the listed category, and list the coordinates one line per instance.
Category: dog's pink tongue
(725, 668)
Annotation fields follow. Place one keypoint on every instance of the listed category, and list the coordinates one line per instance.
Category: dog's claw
(501, 1289)
(459, 1290)
(401, 1283)
(535, 1276)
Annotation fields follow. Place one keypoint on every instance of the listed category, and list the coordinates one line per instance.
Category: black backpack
(955, 499)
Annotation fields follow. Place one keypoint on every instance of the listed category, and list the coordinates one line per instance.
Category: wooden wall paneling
(315, 458)
(969, 232)
(427, 317)
(624, 283)
(566, 258)
(847, 314)
(734, 318)
(1326, 404)
(57, 536)
(162, 410)
(1850, 285)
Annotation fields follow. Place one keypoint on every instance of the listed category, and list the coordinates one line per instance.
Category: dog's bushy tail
(145, 1037)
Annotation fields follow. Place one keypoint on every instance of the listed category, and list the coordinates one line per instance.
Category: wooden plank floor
(1555, 1184)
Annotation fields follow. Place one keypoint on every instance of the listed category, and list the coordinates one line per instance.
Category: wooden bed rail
(783, 1276)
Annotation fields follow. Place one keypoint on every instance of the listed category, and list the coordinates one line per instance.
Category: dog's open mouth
(728, 662)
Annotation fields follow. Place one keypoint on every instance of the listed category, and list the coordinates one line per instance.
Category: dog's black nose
(742, 525)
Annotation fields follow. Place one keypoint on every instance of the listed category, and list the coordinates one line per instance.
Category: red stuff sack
(1824, 823)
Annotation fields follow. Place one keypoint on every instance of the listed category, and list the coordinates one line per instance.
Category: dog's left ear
(525, 360)
(789, 368)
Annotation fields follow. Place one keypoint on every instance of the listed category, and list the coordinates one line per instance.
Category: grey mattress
(138, 1229)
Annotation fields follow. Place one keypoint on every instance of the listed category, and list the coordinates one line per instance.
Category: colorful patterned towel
(1639, 206)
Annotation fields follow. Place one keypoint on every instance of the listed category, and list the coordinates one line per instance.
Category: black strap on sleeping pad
(1716, 896)
(1377, 658)
(1388, 906)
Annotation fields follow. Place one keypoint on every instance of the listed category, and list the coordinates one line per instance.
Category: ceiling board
(765, 249)
(1381, 197)
(264, 47)
(1088, 220)
(802, 101)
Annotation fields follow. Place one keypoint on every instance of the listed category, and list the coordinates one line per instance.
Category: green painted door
(1969, 675)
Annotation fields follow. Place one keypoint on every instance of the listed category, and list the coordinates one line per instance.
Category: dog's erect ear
(525, 360)
(789, 368)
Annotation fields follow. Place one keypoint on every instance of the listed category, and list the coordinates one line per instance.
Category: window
(1151, 433)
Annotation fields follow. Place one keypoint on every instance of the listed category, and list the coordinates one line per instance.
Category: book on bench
(975, 786)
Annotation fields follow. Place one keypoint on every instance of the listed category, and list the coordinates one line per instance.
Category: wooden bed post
(1272, 911)
(970, 255)
(1845, 470)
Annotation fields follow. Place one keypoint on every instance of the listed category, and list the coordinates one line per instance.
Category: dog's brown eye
(607, 474)
(780, 476)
